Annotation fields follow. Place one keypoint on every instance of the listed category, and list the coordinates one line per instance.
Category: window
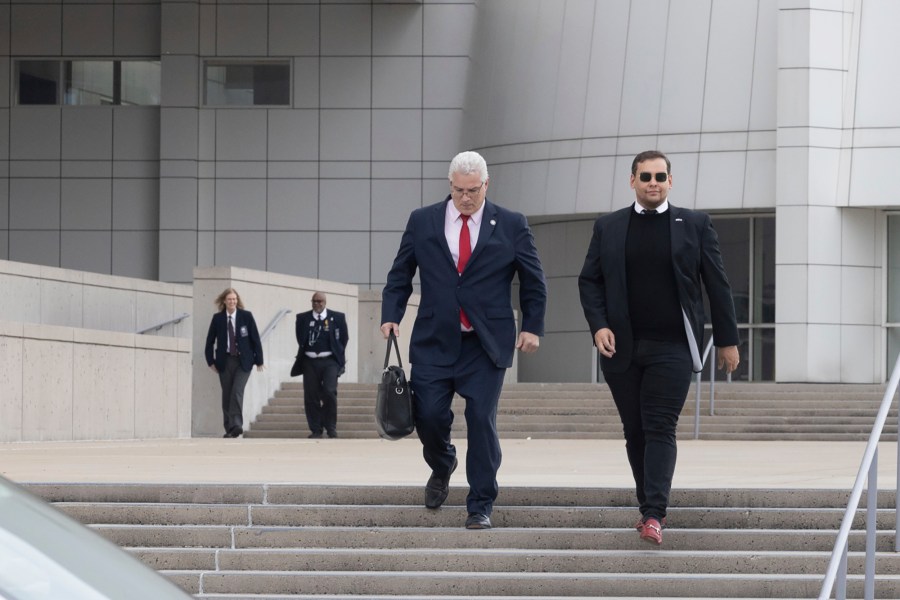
(748, 251)
(893, 291)
(88, 82)
(139, 82)
(248, 84)
(38, 81)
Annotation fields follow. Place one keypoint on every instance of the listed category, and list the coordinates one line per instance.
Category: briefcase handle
(392, 340)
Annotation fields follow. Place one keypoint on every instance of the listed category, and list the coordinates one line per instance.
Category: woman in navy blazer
(233, 361)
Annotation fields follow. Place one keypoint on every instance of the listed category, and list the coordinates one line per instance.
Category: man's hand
(728, 357)
(527, 342)
(214, 369)
(386, 329)
(605, 340)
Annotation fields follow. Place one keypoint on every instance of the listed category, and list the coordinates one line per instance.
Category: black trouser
(320, 377)
(476, 378)
(233, 379)
(649, 396)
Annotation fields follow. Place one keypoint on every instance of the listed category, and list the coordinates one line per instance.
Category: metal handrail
(273, 323)
(712, 388)
(159, 326)
(868, 469)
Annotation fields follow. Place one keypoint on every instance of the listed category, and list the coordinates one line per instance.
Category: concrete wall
(81, 299)
(65, 383)
(375, 115)
(263, 294)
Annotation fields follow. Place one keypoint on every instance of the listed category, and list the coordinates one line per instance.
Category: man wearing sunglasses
(641, 293)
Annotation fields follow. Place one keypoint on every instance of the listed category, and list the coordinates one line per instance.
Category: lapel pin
(678, 219)
(493, 222)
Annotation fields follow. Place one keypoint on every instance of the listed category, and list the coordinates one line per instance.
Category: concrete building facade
(147, 138)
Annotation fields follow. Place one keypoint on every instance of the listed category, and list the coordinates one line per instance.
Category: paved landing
(557, 463)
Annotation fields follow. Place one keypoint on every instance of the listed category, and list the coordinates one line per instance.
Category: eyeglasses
(318, 301)
(660, 177)
(460, 192)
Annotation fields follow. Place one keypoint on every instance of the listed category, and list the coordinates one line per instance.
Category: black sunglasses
(660, 177)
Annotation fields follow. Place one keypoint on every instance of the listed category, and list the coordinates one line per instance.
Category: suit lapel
(618, 233)
(676, 229)
(437, 220)
(488, 224)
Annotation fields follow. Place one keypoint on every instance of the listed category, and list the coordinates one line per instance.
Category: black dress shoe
(332, 434)
(437, 489)
(478, 521)
(315, 436)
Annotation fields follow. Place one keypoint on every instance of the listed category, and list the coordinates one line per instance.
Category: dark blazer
(337, 335)
(246, 333)
(695, 259)
(505, 248)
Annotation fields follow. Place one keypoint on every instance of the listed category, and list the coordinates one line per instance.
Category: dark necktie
(465, 252)
(648, 211)
(232, 347)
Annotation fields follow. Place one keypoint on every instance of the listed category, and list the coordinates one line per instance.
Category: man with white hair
(467, 251)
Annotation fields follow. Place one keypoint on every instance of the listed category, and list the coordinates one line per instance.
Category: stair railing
(698, 385)
(868, 469)
(158, 326)
(273, 323)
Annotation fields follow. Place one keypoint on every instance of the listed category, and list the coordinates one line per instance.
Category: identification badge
(244, 332)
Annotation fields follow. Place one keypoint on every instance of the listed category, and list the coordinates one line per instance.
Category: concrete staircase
(743, 411)
(264, 542)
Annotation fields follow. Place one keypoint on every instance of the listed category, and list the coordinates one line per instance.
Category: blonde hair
(220, 299)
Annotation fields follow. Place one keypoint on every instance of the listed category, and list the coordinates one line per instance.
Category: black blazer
(695, 259)
(505, 249)
(336, 335)
(247, 335)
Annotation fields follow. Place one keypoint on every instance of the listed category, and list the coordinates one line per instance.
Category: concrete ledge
(64, 383)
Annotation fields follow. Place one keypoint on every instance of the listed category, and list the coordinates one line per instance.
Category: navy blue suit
(233, 371)
(444, 361)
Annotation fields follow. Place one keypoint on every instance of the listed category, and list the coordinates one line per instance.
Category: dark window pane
(38, 81)
(893, 268)
(734, 244)
(271, 85)
(248, 84)
(763, 354)
(764, 270)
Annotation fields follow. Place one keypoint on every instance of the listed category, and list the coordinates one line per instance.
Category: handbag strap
(392, 340)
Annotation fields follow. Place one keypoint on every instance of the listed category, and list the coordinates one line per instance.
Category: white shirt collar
(454, 214)
(659, 209)
(323, 315)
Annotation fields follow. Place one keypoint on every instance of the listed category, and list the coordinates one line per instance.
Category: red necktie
(465, 252)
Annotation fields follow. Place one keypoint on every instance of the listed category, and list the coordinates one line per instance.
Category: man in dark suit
(321, 337)
(232, 348)
(467, 251)
(641, 294)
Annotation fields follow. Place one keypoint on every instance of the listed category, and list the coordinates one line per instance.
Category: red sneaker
(651, 531)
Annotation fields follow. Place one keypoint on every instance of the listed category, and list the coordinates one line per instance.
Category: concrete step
(258, 541)
(745, 411)
(469, 584)
(349, 515)
(502, 560)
